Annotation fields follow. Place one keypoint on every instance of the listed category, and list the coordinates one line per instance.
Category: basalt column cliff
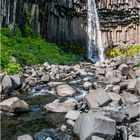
(65, 21)
(120, 21)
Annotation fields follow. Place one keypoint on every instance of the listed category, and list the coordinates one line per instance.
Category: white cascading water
(94, 33)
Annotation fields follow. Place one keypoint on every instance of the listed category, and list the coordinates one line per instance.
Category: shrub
(124, 51)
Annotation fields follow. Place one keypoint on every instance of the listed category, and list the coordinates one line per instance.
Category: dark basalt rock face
(65, 21)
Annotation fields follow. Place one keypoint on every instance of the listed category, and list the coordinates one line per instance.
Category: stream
(38, 122)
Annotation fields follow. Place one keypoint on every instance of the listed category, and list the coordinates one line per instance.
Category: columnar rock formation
(65, 20)
(120, 20)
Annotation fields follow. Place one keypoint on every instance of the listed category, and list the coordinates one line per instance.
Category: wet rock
(128, 98)
(132, 85)
(134, 111)
(97, 138)
(54, 134)
(45, 78)
(73, 115)
(98, 97)
(65, 90)
(14, 105)
(54, 84)
(48, 138)
(87, 85)
(25, 137)
(57, 106)
(16, 82)
(63, 128)
(7, 84)
(116, 89)
(89, 124)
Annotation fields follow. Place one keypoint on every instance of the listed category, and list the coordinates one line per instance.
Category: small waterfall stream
(95, 45)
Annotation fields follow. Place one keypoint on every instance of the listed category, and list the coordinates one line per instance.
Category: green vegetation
(75, 49)
(124, 51)
(29, 51)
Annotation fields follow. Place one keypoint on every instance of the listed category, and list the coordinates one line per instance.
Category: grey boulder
(7, 84)
(89, 124)
(14, 105)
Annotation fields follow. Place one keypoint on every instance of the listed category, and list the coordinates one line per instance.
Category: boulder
(1, 76)
(100, 71)
(0, 88)
(109, 87)
(45, 78)
(114, 114)
(134, 111)
(54, 84)
(89, 124)
(70, 122)
(87, 85)
(123, 68)
(16, 81)
(25, 137)
(65, 90)
(123, 85)
(131, 74)
(128, 98)
(98, 97)
(116, 89)
(133, 138)
(114, 96)
(14, 105)
(72, 114)
(7, 84)
(132, 85)
(57, 106)
(135, 127)
(97, 138)
(82, 73)
(111, 78)
(138, 87)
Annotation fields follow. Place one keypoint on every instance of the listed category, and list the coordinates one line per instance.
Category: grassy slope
(29, 51)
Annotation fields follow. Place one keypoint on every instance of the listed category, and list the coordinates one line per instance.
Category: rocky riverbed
(60, 102)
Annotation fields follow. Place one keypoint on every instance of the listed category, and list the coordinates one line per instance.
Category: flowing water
(38, 122)
(95, 45)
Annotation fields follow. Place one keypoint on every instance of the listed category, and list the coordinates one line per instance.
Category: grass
(29, 51)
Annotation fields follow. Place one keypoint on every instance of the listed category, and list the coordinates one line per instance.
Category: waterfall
(94, 34)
